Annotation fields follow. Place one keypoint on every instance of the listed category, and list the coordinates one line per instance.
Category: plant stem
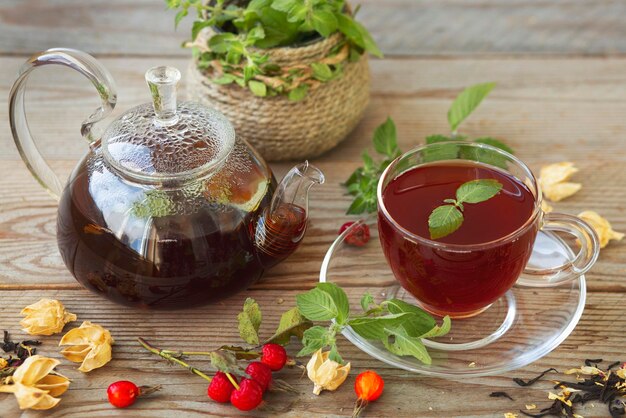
(233, 381)
(170, 357)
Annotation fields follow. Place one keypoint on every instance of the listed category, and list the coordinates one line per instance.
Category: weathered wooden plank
(406, 394)
(407, 27)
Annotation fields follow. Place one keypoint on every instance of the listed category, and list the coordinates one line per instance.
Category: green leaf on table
(434, 139)
(373, 328)
(224, 361)
(444, 220)
(405, 345)
(292, 323)
(495, 143)
(438, 151)
(466, 102)
(340, 299)
(438, 331)
(367, 300)
(250, 321)
(313, 339)
(386, 139)
(477, 191)
(324, 22)
(257, 88)
(317, 305)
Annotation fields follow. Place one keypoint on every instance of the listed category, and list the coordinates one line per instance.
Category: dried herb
(608, 387)
(21, 349)
(501, 395)
(530, 382)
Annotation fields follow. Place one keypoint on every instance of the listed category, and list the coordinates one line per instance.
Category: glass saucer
(519, 328)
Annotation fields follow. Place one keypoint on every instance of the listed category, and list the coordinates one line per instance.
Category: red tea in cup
(463, 273)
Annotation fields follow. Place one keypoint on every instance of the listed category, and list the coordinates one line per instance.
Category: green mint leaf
(373, 328)
(405, 345)
(284, 5)
(466, 102)
(324, 22)
(321, 71)
(220, 43)
(317, 305)
(367, 300)
(313, 339)
(298, 93)
(358, 206)
(441, 152)
(292, 323)
(257, 88)
(495, 143)
(477, 191)
(386, 139)
(418, 323)
(340, 299)
(368, 43)
(198, 25)
(334, 354)
(433, 139)
(179, 16)
(250, 321)
(444, 220)
(438, 331)
(224, 361)
(348, 27)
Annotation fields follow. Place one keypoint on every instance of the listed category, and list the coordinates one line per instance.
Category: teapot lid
(164, 141)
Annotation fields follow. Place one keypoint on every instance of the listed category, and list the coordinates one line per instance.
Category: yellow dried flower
(553, 181)
(46, 317)
(510, 415)
(589, 370)
(546, 207)
(3, 363)
(89, 344)
(601, 226)
(33, 384)
(324, 373)
(561, 397)
(531, 407)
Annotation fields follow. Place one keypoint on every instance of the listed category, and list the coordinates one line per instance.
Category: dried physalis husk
(90, 344)
(324, 373)
(546, 207)
(601, 226)
(35, 385)
(46, 317)
(553, 181)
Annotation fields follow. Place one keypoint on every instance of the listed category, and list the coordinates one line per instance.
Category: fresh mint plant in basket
(292, 75)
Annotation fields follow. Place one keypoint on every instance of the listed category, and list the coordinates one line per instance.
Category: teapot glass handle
(84, 64)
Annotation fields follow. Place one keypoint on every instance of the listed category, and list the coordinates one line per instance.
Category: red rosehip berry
(359, 236)
(123, 393)
(248, 396)
(274, 355)
(260, 373)
(369, 386)
(221, 388)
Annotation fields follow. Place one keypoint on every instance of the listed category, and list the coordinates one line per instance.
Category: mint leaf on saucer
(314, 338)
(444, 220)
(317, 305)
(477, 191)
(340, 299)
(438, 331)
(405, 345)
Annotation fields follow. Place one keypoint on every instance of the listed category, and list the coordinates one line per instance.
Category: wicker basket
(281, 129)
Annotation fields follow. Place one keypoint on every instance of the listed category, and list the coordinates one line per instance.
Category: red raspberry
(248, 396)
(274, 355)
(260, 373)
(220, 389)
(359, 236)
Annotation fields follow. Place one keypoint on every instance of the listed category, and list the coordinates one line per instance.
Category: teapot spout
(282, 225)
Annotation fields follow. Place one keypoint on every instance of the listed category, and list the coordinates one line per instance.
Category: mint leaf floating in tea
(446, 219)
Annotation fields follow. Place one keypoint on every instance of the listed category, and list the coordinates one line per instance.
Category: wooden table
(561, 95)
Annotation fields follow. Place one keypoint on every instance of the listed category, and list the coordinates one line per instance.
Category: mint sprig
(363, 182)
(446, 219)
(398, 325)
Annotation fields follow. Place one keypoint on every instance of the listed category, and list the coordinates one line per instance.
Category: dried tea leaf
(34, 386)
(46, 317)
(326, 374)
(602, 227)
(553, 180)
(89, 344)
(250, 321)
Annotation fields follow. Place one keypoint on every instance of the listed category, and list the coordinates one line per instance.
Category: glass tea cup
(463, 280)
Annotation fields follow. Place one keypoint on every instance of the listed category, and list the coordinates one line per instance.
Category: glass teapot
(169, 208)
